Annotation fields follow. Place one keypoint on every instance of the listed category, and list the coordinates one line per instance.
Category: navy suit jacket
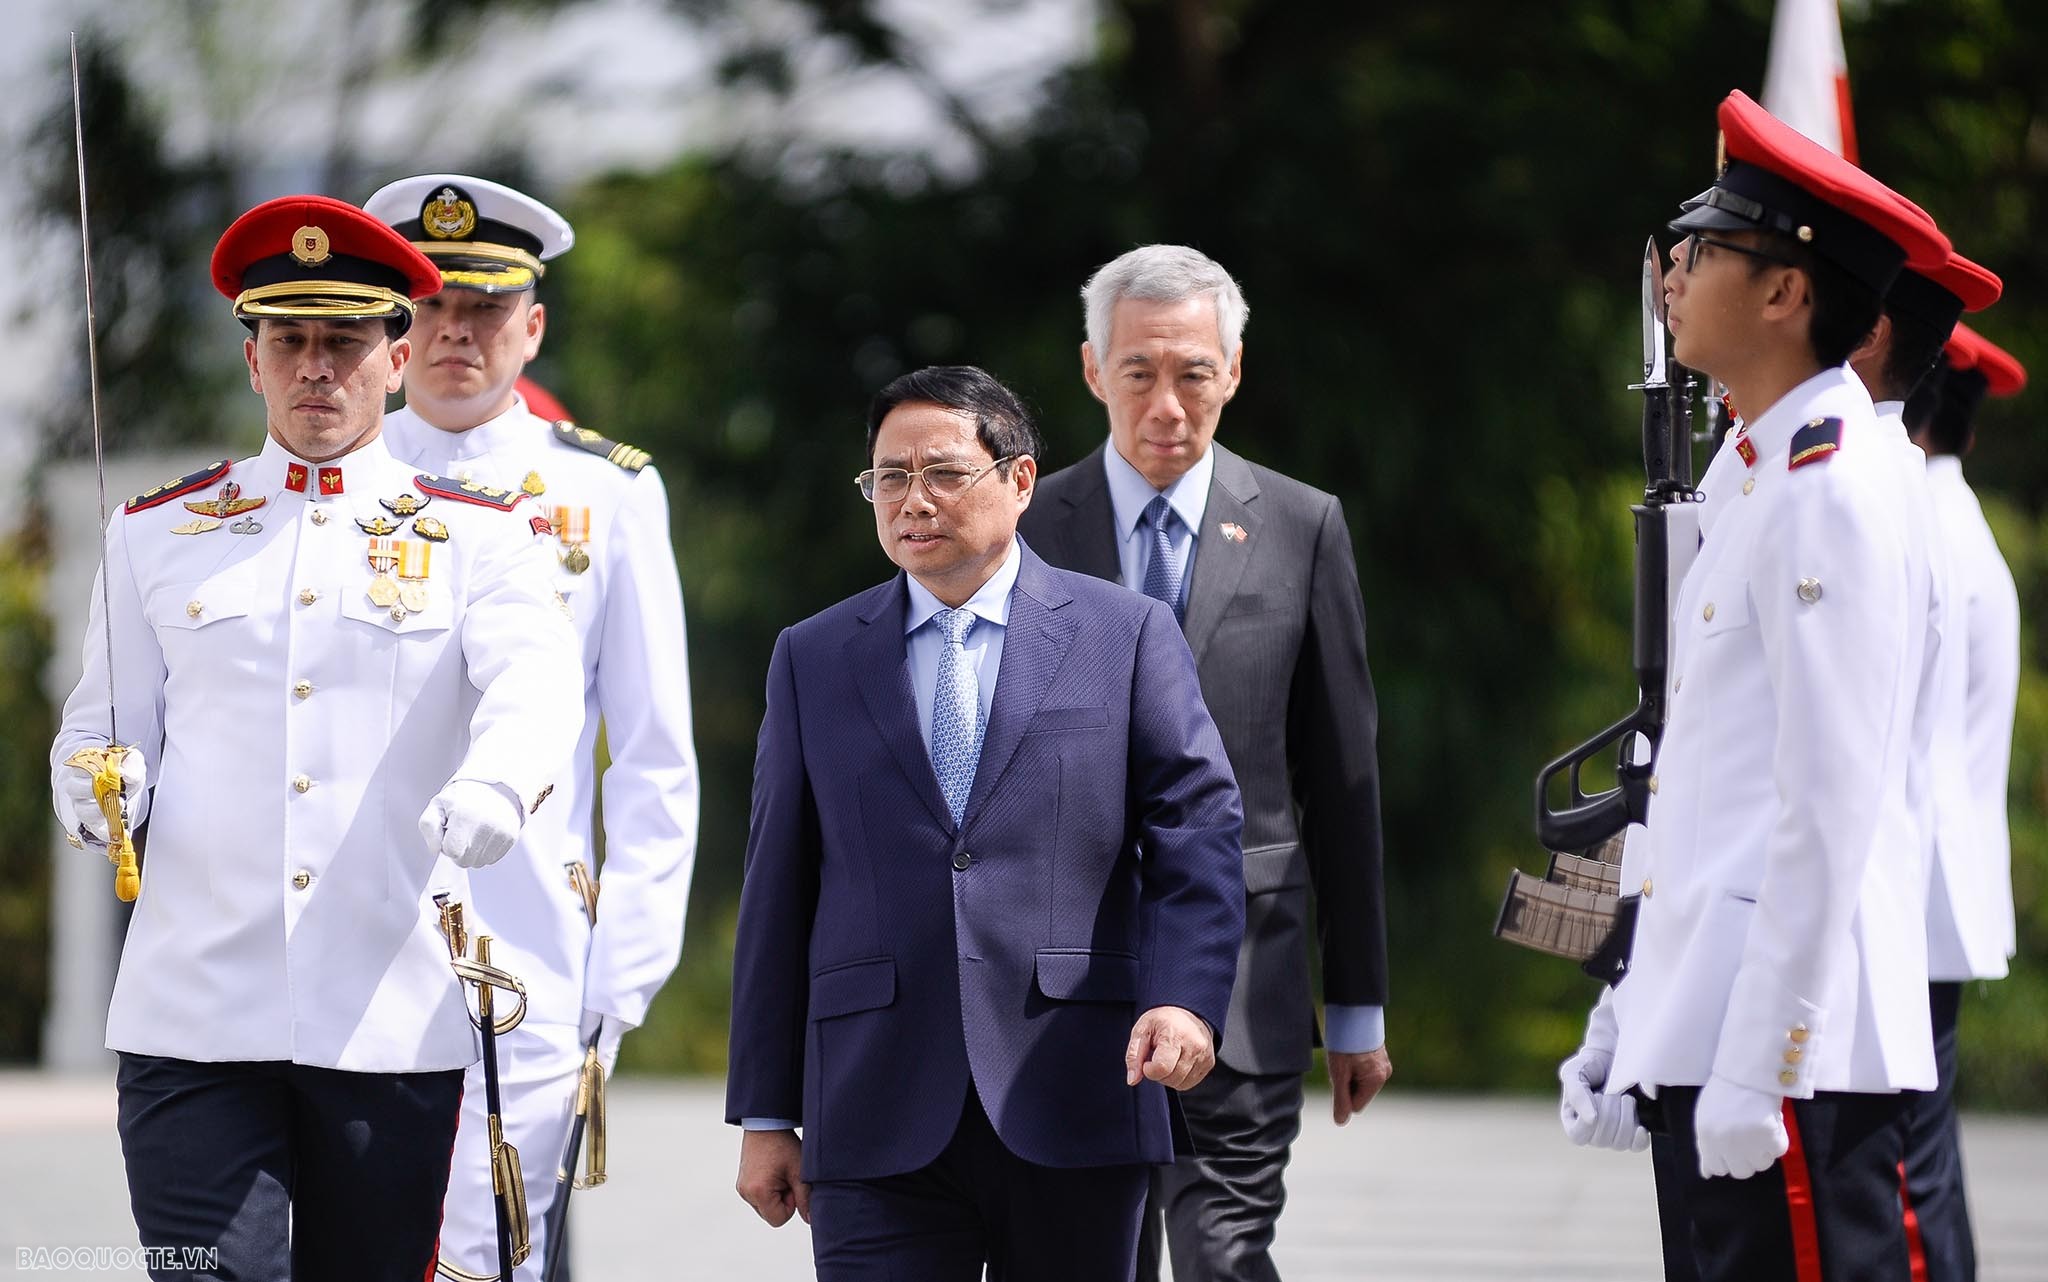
(885, 962)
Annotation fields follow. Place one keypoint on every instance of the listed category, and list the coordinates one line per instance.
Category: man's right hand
(771, 1176)
(1589, 1117)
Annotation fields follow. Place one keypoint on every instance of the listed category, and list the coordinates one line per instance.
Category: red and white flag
(1806, 82)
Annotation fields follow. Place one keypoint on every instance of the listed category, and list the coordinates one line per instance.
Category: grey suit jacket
(1277, 627)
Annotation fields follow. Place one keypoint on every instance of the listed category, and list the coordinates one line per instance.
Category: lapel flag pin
(1234, 532)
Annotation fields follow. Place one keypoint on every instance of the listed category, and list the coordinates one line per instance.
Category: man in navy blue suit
(993, 893)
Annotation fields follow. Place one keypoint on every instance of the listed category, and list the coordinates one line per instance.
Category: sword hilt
(110, 795)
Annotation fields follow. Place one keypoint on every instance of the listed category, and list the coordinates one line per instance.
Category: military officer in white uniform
(616, 569)
(1775, 1005)
(342, 685)
(1970, 928)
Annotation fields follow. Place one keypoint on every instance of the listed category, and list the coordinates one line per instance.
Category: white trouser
(537, 1068)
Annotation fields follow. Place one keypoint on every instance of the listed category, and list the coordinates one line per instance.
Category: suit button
(1793, 1055)
(1708, 613)
(302, 783)
(1798, 1033)
(1649, 888)
(303, 689)
(1788, 1078)
(961, 861)
(193, 609)
(308, 596)
(301, 879)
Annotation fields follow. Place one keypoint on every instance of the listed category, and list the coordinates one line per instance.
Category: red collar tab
(330, 480)
(1745, 448)
(295, 477)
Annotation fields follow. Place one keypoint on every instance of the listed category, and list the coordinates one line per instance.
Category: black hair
(1001, 421)
(1944, 419)
(1912, 354)
(1845, 309)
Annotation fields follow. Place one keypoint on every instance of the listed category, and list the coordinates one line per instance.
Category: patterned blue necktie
(956, 712)
(1162, 571)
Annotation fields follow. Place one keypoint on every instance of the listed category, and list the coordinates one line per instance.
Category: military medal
(430, 529)
(247, 525)
(572, 527)
(404, 504)
(202, 525)
(377, 527)
(534, 485)
(228, 503)
(414, 562)
(383, 589)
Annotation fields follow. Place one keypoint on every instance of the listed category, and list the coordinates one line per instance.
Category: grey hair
(1163, 274)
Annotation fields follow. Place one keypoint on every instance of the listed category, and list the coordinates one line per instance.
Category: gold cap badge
(309, 246)
(448, 215)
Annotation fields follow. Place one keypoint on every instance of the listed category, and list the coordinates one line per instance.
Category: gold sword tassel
(104, 765)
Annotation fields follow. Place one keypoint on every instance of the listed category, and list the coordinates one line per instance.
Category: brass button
(1653, 785)
(398, 614)
(319, 516)
(1798, 1033)
(1649, 887)
(192, 609)
(1793, 1055)
(1708, 613)
(1749, 485)
(303, 689)
(1809, 590)
(1788, 1078)
(301, 879)
(303, 783)
(308, 596)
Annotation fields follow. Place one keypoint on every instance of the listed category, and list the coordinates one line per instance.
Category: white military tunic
(634, 676)
(1780, 941)
(1969, 902)
(294, 731)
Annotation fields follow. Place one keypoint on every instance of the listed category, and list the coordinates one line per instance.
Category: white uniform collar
(280, 472)
(414, 437)
(1832, 393)
(1130, 492)
(990, 601)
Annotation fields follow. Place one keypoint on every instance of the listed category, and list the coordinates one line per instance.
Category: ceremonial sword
(103, 764)
(588, 1109)
(508, 1185)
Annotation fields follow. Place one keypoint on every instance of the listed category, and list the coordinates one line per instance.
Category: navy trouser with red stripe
(1828, 1211)
(1934, 1158)
(291, 1173)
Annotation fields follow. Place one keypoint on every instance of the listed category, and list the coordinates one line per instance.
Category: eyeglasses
(1693, 242)
(941, 480)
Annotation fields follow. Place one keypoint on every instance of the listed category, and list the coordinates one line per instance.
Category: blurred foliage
(25, 823)
(1437, 213)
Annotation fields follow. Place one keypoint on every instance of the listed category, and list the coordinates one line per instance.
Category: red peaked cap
(1778, 179)
(2003, 374)
(317, 257)
(1939, 298)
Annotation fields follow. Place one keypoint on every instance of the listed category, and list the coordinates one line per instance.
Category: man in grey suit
(1259, 569)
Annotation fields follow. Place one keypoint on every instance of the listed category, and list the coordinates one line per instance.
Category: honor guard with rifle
(1970, 926)
(1772, 1008)
(338, 684)
(589, 975)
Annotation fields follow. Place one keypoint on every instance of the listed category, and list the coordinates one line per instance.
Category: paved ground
(1422, 1189)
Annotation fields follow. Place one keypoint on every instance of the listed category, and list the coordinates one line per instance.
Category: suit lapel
(881, 667)
(1219, 559)
(1090, 530)
(1034, 646)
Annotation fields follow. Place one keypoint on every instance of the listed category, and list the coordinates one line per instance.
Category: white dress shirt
(294, 731)
(984, 647)
(633, 668)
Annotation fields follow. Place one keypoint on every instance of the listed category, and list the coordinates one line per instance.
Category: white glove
(472, 823)
(609, 1029)
(71, 792)
(1739, 1131)
(1603, 1121)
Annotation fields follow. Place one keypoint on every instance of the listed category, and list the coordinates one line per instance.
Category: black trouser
(1828, 1211)
(979, 1203)
(289, 1173)
(1220, 1205)
(1934, 1157)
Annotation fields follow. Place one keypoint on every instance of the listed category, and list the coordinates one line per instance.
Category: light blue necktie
(956, 712)
(1162, 571)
